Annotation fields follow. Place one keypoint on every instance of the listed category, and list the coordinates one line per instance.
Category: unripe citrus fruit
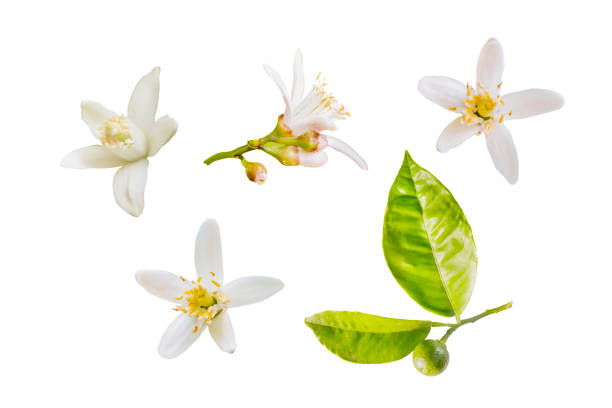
(430, 357)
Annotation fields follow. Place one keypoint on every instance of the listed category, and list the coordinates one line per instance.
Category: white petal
(490, 66)
(94, 114)
(252, 289)
(162, 284)
(531, 102)
(129, 186)
(312, 159)
(208, 254)
(179, 336)
(281, 85)
(455, 134)
(143, 102)
(163, 130)
(297, 91)
(222, 332)
(96, 156)
(314, 123)
(347, 150)
(502, 150)
(444, 91)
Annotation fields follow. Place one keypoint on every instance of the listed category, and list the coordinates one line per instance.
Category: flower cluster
(298, 138)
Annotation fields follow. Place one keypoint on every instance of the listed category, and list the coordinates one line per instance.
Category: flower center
(115, 132)
(480, 107)
(201, 303)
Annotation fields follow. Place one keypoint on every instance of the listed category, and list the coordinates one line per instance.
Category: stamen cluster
(115, 133)
(201, 303)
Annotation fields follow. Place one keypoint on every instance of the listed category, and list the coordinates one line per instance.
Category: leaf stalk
(473, 319)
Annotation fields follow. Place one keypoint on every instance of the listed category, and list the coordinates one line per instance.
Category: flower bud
(312, 141)
(256, 172)
(281, 131)
(287, 155)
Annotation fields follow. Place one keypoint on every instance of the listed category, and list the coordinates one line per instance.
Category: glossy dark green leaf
(428, 242)
(367, 339)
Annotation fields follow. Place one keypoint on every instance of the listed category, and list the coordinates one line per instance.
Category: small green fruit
(430, 357)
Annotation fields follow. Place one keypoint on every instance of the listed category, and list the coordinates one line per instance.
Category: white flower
(204, 302)
(316, 112)
(126, 141)
(483, 110)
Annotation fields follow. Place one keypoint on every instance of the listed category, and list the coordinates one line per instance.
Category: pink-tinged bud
(281, 131)
(312, 141)
(256, 172)
(287, 155)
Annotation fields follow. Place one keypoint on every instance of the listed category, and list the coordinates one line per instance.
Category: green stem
(488, 312)
(232, 154)
(239, 151)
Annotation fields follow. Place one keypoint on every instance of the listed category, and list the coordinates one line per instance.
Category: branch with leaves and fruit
(430, 251)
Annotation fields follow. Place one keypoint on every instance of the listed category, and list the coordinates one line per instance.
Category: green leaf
(428, 242)
(367, 339)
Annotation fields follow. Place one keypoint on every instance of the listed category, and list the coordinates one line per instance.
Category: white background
(77, 331)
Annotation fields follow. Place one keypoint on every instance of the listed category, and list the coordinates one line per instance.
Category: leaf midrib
(361, 331)
(433, 254)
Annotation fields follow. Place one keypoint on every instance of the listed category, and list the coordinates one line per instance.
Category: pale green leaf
(367, 339)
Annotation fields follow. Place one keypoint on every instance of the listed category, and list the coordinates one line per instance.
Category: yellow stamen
(115, 133)
(327, 100)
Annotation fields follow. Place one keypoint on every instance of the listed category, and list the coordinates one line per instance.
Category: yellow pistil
(115, 133)
(479, 107)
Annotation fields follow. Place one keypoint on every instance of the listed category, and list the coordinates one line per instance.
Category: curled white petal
(143, 102)
(454, 134)
(129, 186)
(180, 335)
(503, 152)
(312, 159)
(347, 150)
(208, 253)
(444, 91)
(281, 85)
(531, 102)
(222, 332)
(163, 130)
(490, 66)
(162, 284)
(96, 156)
(297, 90)
(252, 289)
(94, 114)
